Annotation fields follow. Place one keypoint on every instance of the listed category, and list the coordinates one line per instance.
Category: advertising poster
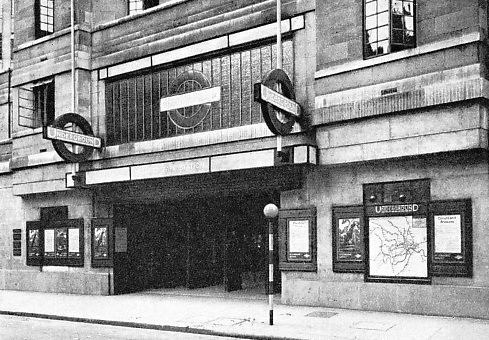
(33, 243)
(49, 242)
(349, 240)
(299, 240)
(448, 234)
(100, 243)
(61, 241)
(74, 241)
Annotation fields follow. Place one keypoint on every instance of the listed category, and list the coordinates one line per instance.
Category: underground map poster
(398, 248)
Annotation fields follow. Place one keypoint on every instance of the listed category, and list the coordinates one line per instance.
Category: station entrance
(213, 241)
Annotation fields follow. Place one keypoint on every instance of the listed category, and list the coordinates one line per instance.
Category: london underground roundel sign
(277, 98)
(72, 137)
(190, 99)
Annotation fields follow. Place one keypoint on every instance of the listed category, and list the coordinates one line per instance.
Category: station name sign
(411, 208)
(266, 94)
(73, 137)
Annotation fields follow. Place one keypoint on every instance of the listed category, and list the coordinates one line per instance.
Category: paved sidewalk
(238, 317)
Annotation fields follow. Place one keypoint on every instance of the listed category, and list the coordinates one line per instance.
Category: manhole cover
(322, 314)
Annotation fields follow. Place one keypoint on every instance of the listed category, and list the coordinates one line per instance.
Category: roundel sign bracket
(277, 98)
(72, 137)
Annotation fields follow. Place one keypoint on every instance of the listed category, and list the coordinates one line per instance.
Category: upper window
(389, 26)
(137, 6)
(44, 13)
(44, 103)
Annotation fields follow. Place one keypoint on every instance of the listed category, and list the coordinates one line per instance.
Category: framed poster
(398, 244)
(348, 248)
(102, 242)
(452, 237)
(297, 239)
(34, 244)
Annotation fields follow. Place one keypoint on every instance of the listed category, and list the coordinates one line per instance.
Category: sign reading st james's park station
(65, 131)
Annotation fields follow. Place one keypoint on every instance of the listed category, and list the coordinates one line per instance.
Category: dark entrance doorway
(218, 241)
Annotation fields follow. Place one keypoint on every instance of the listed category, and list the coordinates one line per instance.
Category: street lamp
(271, 212)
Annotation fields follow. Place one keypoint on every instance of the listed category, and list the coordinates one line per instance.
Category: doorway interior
(202, 242)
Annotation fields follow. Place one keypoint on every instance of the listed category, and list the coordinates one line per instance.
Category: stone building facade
(382, 183)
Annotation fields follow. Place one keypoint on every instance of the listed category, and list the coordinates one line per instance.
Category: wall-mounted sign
(190, 98)
(280, 110)
(62, 132)
(73, 137)
(396, 209)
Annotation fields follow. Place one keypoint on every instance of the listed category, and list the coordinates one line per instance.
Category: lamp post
(271, 212)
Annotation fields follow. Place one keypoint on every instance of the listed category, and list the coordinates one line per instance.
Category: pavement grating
(325, 315)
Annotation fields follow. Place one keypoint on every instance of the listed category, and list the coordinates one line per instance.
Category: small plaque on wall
(297, 235)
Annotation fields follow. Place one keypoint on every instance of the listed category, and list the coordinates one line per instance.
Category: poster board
(452, 237)
(297, 239)
(102, 242)
(348, 247)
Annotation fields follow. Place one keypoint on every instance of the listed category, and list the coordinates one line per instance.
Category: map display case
(398, 243)
(397, 236)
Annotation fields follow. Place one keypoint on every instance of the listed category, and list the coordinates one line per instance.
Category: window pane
(383, 19)
(409, 38)
(396, 7)
(397, 21)
(383, 33)
(371, 8)
(408, 8)
(371, 22)
(372, 35)
(371, 49)
(409, 23)
(383, 5)
(383, 47)
(397, 36)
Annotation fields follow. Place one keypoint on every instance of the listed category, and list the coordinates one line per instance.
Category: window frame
(39, 16)
(392, 46)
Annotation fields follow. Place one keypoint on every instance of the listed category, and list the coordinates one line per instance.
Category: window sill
(427, 48)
